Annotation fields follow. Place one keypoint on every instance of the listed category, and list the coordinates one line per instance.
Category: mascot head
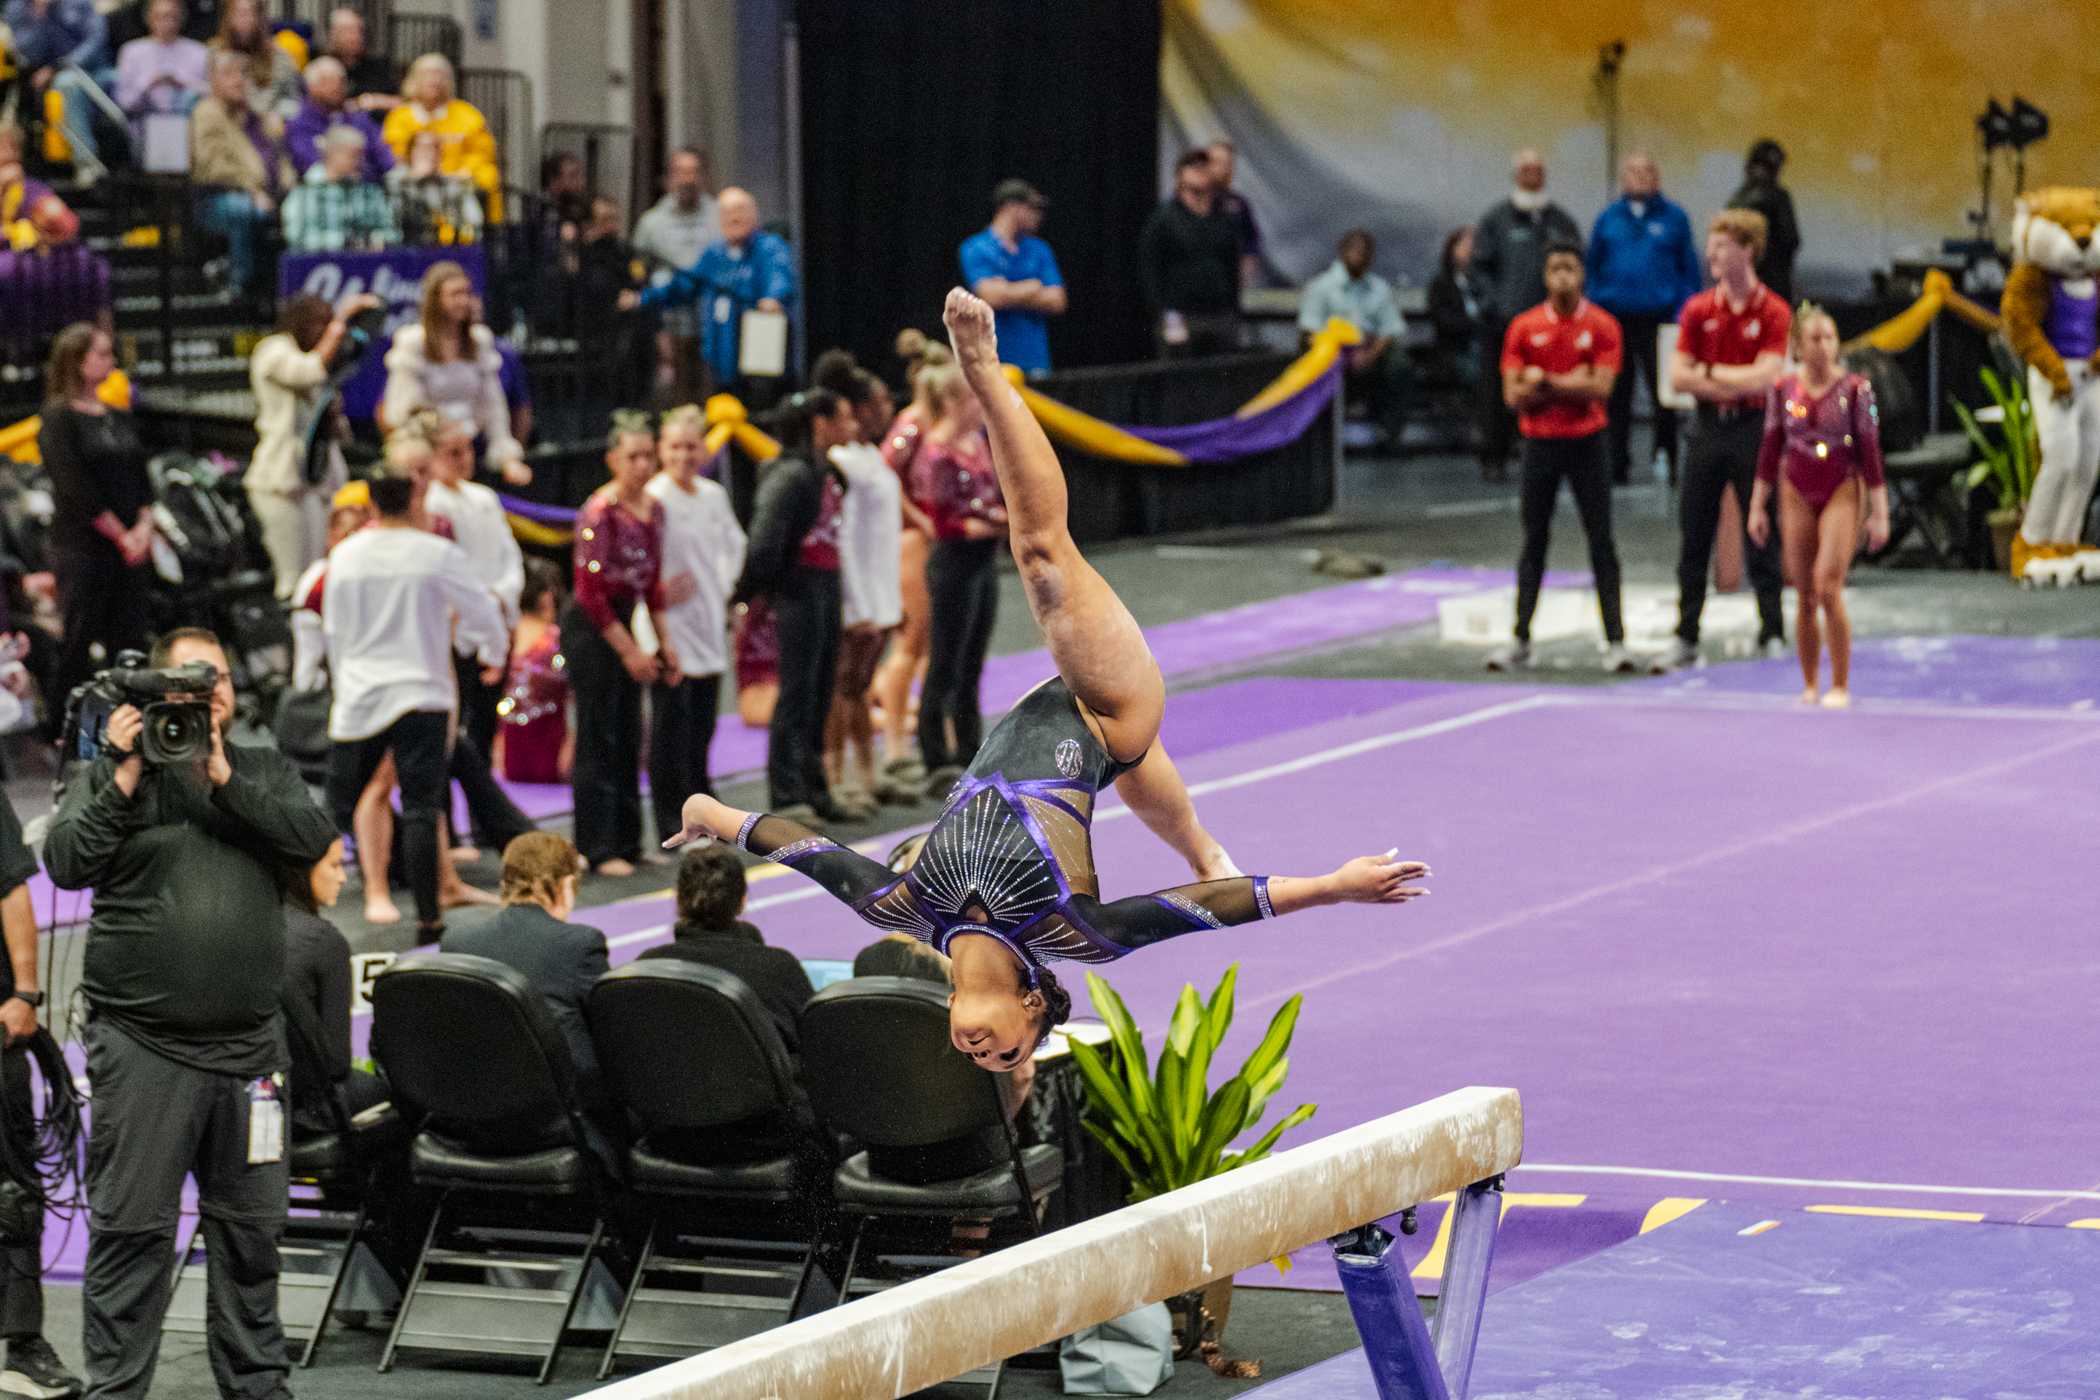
(2058, 230)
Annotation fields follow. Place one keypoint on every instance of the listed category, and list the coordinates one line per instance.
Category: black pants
(21, 1265)
(497, 821)
(807, 612)
(417, 741)
(156, 1121)
(1722, 452)
(1580, 462)
(681, 730)
(1386, 384)
(101, 601)
(1497, 425)
(605, 782)
(963, 578)
(477, 706)
(1640, 333)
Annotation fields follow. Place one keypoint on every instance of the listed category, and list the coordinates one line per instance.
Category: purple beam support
(1478, 1215)
(1382, 1300)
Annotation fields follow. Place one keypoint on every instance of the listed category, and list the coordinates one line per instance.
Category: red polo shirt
(1558, 344)
(1714, 333)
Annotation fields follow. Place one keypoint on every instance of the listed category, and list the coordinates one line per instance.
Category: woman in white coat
(448, 363)
(298, 464)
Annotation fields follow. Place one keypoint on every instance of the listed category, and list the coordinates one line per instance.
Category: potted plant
(1163, 1125)
(2008, 463)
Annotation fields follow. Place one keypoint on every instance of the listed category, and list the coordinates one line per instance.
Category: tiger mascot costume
(2051, 312)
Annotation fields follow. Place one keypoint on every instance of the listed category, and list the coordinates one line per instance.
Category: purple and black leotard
(1012, 854)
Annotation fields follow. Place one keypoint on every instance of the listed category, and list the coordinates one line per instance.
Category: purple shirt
(142, 63)
(54, 287)
(2073, 323)
(303, 133)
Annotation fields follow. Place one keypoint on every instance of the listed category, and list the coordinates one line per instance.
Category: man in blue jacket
(746, 269)
(1643, 265)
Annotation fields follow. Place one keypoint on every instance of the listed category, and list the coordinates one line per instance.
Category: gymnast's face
(996, 1029)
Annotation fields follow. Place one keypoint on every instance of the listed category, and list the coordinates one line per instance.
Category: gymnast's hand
(705, 820)
(1378, 880)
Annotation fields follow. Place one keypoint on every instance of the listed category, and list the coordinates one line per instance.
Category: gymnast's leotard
(1012, 854)
(1821, 441)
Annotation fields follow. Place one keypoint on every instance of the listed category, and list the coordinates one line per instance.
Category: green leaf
(1173, 1113)
(1131, 1061)
(1217, 1013)
(1275, 1042)
(1115, 1149)
(1187, 1022)
(1221, 1124)
(1267, 1140)
(1110, 1106)
(1264, 1089)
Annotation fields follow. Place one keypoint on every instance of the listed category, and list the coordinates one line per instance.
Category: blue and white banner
(395, 276)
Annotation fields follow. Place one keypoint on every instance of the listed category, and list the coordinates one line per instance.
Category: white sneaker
(1618, 661)
(1682, 656)
(1514, 657)
(1772, 648)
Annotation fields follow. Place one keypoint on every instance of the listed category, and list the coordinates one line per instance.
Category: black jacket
(1190, 262)
(774, 974)
(17, 865)
(1782, 234)
(1509, 259)
(560, 960)
(185, 949)
(790, 497)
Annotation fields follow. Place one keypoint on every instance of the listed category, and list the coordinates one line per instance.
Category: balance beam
(932, 1329)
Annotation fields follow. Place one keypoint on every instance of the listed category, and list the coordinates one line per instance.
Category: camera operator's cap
(1018, 192)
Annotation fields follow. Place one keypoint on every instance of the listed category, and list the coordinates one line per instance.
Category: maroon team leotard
(1824, 440)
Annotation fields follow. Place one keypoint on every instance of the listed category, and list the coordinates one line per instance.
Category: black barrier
(1118, 500)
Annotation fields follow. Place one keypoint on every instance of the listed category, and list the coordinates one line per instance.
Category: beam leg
(1459, 1303)
(1382, 1300)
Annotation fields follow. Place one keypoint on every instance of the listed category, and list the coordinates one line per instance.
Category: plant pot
(2004, 525)
(1199, 1316)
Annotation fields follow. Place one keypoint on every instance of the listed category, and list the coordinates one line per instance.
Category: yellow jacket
(469, 148)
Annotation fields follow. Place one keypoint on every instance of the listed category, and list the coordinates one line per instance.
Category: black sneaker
(33, 1369)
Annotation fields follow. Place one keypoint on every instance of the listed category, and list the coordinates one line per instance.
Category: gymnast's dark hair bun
(1057, 1003)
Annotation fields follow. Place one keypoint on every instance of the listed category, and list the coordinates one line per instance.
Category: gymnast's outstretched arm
(851, 877)
(1155, 792)
(1145, 919)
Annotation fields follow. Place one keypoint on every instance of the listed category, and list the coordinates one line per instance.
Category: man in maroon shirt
(1559, 360)
(1731, 347)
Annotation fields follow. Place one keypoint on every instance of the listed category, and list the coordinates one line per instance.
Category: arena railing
(409, 37)
(935, 1328)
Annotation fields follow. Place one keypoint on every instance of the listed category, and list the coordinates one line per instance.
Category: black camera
(174, 731)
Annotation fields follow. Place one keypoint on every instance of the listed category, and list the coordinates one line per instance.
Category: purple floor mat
(2033, 671)
(1827, 1306)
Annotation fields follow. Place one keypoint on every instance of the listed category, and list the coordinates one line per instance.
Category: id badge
(266, 1120)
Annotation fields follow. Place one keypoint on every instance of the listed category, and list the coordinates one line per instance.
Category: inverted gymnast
(1005, 884)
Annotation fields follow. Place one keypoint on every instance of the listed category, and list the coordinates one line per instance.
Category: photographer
(32, 1367)
(185, 1045)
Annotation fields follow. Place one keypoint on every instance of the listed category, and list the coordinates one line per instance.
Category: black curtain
(911, 112)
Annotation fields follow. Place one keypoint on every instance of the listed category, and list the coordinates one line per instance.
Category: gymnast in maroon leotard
(1005, 884)
(1822, 453)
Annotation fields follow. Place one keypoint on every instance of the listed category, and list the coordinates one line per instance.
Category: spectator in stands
(164, 71)
(447, 363)
(374, 85)
(327, 107)
(337, 205)
(298, 463)
(482, 531)
(55, 280)
(532, 934)
(537, 744)
(19, 194)
(433, 207)
(671, 236)
(101, 525)
(240, 154)
(711, 931)
(1189, 260)
(466, 146)
(619, 560)
(1762, 193)
(747, 269)
(399, 599)
(1643, 268)
(316, 996)
(962, 575)
(1349, 291)
(63, 46)
(1015, 271)
(704, 544)
(1509, 270)
(564, 192)
(1224, 164)
(1454, 309)
(793, 563)
(273, 78)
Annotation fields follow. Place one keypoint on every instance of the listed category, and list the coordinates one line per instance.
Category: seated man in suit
(532, 934)
(711, 890)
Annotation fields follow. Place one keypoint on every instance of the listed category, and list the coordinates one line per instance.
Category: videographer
(186, 1051)
(32, 1367)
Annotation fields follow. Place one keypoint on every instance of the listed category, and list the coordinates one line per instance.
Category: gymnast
(1005, 883)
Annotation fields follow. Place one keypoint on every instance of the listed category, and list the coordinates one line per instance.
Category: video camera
(174, 732)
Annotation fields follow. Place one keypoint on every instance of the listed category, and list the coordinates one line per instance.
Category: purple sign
(395, 277)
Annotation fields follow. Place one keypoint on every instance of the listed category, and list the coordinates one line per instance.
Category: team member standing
(1509, 261)
(702, 542)
(1016, 274)
(1822, 452)
(185, 1044)
(1761, 193)
(871, 532)
(1559, 361)
(962, 575)
(1643, 267)
(482, 532)
(1731, 346)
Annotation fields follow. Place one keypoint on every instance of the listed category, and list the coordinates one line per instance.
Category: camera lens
(177, 732)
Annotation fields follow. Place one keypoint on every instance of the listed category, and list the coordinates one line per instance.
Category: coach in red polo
(1731, 347)
(1559, 360)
